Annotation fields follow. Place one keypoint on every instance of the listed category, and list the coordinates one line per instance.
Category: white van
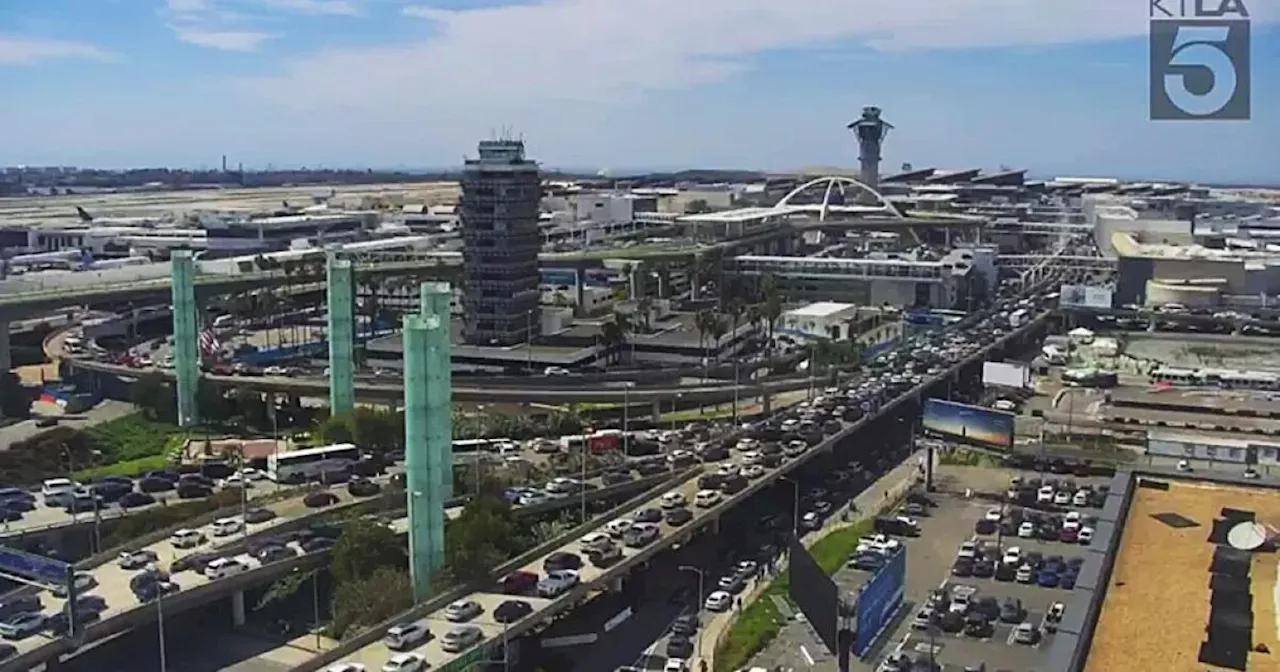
(56, 491)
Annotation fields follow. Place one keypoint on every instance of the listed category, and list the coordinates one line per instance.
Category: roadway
(593, 578)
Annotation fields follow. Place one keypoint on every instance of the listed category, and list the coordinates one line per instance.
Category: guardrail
(376, 632)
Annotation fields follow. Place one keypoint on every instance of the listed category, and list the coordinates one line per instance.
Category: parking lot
(983, 623)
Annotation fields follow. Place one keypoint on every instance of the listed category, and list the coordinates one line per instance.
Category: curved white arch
(832, 182)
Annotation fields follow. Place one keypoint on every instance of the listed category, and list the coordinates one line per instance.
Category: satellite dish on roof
(1249, 536)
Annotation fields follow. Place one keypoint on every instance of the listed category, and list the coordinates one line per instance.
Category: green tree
(365, 547)
(484, 535)
(155, 396)
(384, 593)
(337, 429)
(377, 430)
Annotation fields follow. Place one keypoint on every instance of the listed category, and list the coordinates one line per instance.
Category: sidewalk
(868, 504)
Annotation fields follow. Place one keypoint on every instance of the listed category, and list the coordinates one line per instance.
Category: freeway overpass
(369, 650)
(124, 611)
(550, 394)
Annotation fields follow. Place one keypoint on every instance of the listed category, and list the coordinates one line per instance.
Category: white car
(994, 515)
(1013, 556)
(673, 500)
(1072, 519)
(187, 538)
(752, 471)
(619, 527)
(224, 567)
(225, 527)
(1085, 536)
(1184, 465)
(405, 662)
(462, 611)
(596, 542)
(1027, 530)
(345, 667)
(727, 470)
(747, 444)
(1081, 498)
(459, 637)
(1024, 574)
(675, 665)
(1062, 497)
(968, 550)
(751, 457)
(1044, 495)
(406, 635)
(556, 583)
(718, 601)
(706, 498)
(1251, 473)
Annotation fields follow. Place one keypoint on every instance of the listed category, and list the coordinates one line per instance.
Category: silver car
(460, 637)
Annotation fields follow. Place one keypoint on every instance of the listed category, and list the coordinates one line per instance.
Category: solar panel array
(1229, 632)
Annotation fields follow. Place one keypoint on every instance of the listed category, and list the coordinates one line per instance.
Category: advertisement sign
(1085, 296)
(879, 601)
(559, 277)
(33, 568)
(1006, 374)
(969, 423)
(815, 593)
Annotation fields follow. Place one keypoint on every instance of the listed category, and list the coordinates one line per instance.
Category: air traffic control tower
(870, 129)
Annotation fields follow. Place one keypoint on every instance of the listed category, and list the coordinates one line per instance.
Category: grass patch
(759, 623)
(128, 468)
(961, 457)
(133, 437)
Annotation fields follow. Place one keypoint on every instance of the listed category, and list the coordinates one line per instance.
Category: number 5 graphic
(1200, 47)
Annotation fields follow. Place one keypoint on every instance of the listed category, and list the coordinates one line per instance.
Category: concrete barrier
(376, 632)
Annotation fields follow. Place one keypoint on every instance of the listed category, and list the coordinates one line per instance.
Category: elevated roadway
(373, 654)
(125, 611)
(394, 393)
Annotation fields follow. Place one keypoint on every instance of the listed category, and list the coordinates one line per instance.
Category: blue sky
(1056, 87)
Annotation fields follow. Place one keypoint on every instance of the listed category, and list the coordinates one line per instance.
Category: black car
(678, 516)
(258, 515)
(979, 628)
(962, 568)
(710, 481)
(155, 589)
(685, 625)
(984, 569)
(512, 611)
(19, 504)
(194, 562)
(733, 484)
(20, 604)
(1005, 572)
(273, 553)
(317, 544)
(152, 484)
(195, 479)
(362, 487)
(615, 477)
(714, 453)
(651, 468)
(193, 491)
(132, 500)
(679, 647)
(317, 500)
(647, 515)
(562, 560)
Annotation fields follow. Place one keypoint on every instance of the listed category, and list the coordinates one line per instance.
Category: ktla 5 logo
(1199, 60)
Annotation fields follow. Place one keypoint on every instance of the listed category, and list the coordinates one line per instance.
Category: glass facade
(501, 192)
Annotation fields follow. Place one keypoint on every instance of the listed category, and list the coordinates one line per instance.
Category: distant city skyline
(1058, 89)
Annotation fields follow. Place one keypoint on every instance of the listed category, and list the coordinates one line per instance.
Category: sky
(1054, 86)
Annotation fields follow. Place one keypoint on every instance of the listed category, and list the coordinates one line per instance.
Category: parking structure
(980, 594)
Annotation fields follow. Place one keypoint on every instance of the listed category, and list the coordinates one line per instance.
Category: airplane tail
(84, 216)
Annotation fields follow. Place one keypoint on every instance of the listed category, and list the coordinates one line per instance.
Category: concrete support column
(616, 585)
(237, 609)
(6, 354)
(428, 433)
(657, 411)
(341, 307)
(766, 402)
(186, 326)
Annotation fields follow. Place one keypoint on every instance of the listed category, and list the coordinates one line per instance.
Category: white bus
(309, 463)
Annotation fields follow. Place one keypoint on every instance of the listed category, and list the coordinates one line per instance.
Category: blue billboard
(560, 277)
(973, 424)
(878, 602)
(33, 568)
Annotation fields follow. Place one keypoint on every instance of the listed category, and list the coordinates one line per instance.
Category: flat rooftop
(1157, 601)
(821, 309)
(1219, 402)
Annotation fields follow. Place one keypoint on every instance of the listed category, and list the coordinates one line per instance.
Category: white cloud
(601, 50)
(27, 50)
(317, 7)
(223, 40)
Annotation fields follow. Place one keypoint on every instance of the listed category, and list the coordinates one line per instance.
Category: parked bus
(605, 440)
(309, 463)
(471, 445)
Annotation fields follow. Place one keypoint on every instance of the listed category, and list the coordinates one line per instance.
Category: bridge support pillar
(237, 609)
(428, 428)
(657, 411)
(6, 355)
(339, 276)
(766, 402)
(186, 349)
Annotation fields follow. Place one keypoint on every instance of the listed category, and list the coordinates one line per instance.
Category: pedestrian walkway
(871, 502)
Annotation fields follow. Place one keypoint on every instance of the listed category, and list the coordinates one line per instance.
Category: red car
(1069, 534)
(518, 582)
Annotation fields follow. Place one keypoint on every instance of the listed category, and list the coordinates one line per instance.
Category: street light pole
(164, 665)
(626, 418)
(795, 506)
(737, 383)
(315, 605)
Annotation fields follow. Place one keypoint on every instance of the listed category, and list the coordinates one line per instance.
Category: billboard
(33, 568)
(878, 602)
(815, 593)
(1084, 296)
(1006, 374)
(974, 424)
(559, 277)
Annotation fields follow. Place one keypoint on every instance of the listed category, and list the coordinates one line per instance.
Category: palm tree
(771, 302)
(614, 332)
(718, 327)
